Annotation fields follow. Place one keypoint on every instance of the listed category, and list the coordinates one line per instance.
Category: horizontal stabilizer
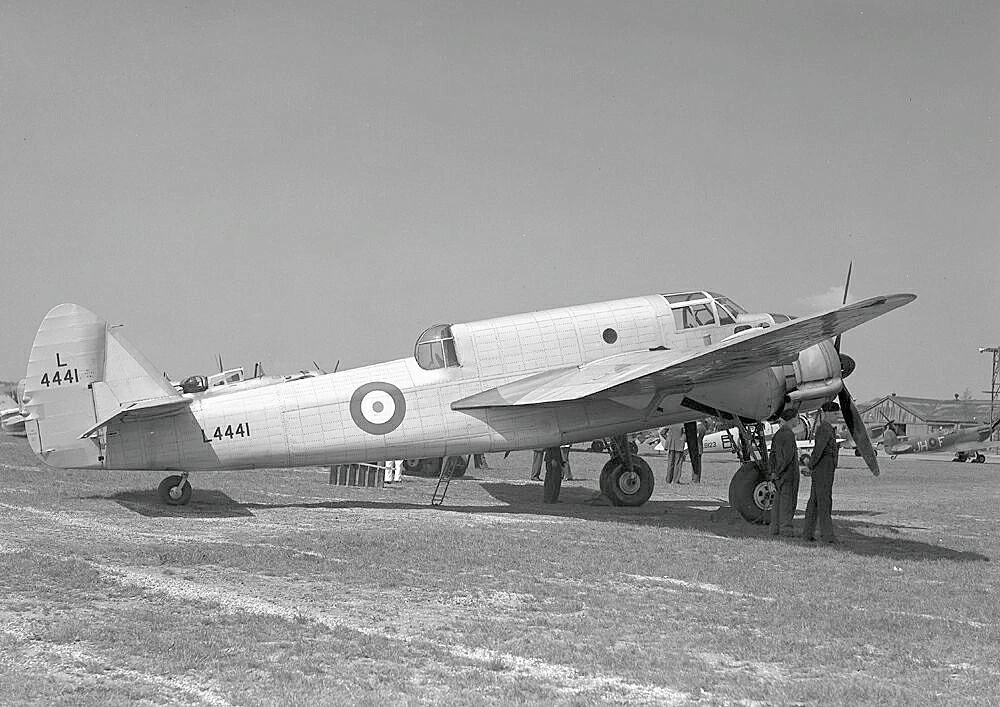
(156, 407)
(679, 371)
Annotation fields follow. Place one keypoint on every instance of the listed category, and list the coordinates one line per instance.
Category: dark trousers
(785, 498)
(553, 475)
(820, 506)
(694, 450)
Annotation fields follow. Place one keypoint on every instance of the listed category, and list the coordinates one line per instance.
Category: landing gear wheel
(461, 466)
(423, 467)
(751, 494)
(624, 487)
(174, 491)
(980, 458)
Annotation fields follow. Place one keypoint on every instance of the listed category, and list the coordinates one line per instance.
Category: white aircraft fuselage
(420, 406)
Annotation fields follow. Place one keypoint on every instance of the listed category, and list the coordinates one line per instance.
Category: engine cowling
(814, 377)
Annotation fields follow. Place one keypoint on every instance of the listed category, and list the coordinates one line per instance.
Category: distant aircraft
(528, 381)
(725, 441)
(12, 417)
(966, 443)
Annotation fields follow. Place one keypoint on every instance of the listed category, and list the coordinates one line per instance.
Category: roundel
(378, 408)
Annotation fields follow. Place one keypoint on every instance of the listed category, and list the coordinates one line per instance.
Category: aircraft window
(692, 316)
(730, 306)
(436, 348)
(725, 317)
(779, 318)
(685, 297)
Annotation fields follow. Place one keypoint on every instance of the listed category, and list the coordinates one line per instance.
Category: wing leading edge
(679, 371)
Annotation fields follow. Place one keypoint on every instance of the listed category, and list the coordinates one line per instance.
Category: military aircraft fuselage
(403, 408)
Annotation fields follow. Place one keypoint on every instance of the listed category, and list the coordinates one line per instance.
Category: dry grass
(274, 587)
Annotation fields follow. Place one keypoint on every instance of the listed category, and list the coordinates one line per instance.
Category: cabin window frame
(435, 348)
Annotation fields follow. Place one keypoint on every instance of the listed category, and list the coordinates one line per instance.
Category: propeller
(852, 418)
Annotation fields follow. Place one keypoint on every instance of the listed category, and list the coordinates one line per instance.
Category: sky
(321, 181)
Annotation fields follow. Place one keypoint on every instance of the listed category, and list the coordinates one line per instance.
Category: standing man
(784, 461)
(889, 438)
(536, 465)
(694, 433)
(673, 444)
(822, 464)
(553, 475)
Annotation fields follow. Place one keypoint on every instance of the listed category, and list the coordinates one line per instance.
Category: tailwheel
(752, 494)
(624, 486)
(175, 490)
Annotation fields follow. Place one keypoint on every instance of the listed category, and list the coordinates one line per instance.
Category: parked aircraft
(725, 441)
(965, 443)
(526, 381)
(12, 416)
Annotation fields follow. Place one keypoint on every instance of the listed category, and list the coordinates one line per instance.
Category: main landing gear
(175, 490)
(626, 478)
(751, 491)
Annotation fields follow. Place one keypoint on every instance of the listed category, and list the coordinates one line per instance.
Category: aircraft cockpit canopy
(435, 348)
(697, 309)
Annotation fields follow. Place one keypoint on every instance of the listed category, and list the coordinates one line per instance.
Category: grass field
(275, 587)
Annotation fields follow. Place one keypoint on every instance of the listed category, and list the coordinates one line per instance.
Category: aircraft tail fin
(83, 373)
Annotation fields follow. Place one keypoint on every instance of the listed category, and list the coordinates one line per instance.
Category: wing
(679, 371)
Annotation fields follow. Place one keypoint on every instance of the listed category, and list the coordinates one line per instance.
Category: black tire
(751, 494)
(597, 445)
(606, 470)
(174, 491)
(980, 458)
(430, 466)
(461, 466)
(628, 488)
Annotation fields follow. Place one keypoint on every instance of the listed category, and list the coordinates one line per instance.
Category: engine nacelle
(814, 377)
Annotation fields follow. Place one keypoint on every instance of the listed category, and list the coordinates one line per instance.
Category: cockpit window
(685, 297)
(724, 315)
(731, 306)
(693, 315)
(436, 348)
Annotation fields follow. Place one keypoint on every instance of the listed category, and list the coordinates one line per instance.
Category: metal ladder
(448, 465)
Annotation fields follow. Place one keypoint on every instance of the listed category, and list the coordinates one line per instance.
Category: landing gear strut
(626, 478)
(175, 490)
(751, 491)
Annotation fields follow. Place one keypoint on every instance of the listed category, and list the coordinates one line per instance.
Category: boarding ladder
(448, 465)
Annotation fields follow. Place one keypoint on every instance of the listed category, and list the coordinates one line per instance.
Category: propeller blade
(847, 286)
(856, 427)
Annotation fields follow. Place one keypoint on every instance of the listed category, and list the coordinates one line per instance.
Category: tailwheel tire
(174, 491)
(624, 487)
(751, 494)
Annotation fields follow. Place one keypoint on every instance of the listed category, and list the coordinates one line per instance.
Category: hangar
(925, 416)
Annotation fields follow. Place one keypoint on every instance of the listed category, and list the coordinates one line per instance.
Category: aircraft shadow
(204, 504)
(722, 521)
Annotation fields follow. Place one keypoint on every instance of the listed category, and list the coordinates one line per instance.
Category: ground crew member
(673, 444)
(536, 465)
(553, 475)
(479, 461)
(822, 464)
(567, 472)
(784, 461)
(889, 438)
(694, 433)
